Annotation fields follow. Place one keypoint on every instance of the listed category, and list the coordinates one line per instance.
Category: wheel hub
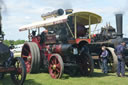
(54, 67)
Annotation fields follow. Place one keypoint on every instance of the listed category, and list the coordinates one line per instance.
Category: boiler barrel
(62, 49)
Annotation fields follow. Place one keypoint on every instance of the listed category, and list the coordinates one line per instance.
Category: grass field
(97, 78)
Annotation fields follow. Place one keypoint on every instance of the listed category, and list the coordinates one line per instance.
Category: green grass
(97, 78)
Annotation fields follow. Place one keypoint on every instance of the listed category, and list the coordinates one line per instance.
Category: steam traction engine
(63, 46)
(9, 64)
(110, 38)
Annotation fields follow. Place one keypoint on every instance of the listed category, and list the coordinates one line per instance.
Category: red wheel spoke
(50, 66)
(58, 65)
(50, 69)
(58, 70)
(54, 75)
(56, 61)
(52, 62)
(57, 74)
(54, 72)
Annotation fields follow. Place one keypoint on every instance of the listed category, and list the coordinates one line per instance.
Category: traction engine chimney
(119, 24)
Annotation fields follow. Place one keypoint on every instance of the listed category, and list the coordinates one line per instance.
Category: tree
(9, 42)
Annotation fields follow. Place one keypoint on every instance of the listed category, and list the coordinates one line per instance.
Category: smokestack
(119, 24)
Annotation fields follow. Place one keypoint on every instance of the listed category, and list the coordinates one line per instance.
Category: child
(104, 59)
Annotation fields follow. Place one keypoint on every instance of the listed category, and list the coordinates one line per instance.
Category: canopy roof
(81, 17)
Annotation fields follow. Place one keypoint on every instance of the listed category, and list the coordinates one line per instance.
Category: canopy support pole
(95, 28)
(70, 29)
(29, 35)
(89, 26)
(38, 30)
(75, 26)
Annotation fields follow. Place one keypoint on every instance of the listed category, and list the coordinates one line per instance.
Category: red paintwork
(36, 39)
(56, 48)
(28, 66)
(78, 40)
(94, 35)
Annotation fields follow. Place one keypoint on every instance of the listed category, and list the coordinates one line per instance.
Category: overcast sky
(21, 12)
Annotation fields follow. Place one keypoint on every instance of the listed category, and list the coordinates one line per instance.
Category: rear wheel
(19, 75)
(31, 56)
(112, 60)
(86, 65)
(56, 66)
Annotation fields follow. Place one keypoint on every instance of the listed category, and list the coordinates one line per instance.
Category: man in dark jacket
(104, 59)
(121, 63)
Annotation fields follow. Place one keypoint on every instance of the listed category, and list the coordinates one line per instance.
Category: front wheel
(18, 76)
(56, 66)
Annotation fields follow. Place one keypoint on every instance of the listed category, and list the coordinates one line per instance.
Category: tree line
(9, 42)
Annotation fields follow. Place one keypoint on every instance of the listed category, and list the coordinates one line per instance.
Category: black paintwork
(4, 53)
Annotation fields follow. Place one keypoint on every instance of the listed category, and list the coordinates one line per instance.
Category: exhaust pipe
(119, 24)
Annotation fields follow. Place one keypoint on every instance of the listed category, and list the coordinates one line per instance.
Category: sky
(17, 13)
